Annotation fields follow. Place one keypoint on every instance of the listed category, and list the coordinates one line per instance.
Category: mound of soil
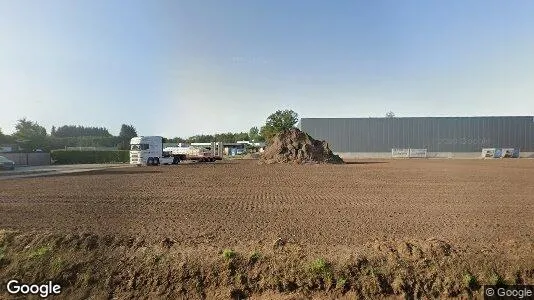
(295, 146)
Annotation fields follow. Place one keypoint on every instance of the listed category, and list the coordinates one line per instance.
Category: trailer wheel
(175, 160)
(150, 161)
(212, 159)
(156, 161)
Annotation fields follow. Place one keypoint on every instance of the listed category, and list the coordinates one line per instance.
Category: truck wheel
(156, 161)
(212, 159)
(150, 161)
(175, 160)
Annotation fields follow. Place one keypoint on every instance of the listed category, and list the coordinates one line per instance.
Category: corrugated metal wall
(437, 134)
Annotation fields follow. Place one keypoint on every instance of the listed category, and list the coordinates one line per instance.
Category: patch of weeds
(341, 283)
(158, 258)
(87, 278)
(470, 281)
(496, 279)
(2, 252)
(373, 271)
(57, 265)
(321, 268)
(229, 254)
(254, 256)
(240, 278)
(40, 252)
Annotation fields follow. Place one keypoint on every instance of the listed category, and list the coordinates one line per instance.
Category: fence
(408, 153)
(91, 148)
(29, 159)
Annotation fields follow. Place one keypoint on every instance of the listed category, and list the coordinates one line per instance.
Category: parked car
(6, 164)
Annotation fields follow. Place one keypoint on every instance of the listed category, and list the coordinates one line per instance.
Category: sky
(179, 68)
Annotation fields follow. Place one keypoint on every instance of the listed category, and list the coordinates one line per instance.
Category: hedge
(90, 157)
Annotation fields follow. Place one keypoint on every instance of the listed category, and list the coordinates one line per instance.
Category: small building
(258, 145)
(233, 148)
(7, 148)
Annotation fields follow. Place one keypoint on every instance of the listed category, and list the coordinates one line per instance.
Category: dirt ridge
(125, 267)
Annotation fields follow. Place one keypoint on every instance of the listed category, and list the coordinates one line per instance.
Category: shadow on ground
(106, 172)
(365, 162)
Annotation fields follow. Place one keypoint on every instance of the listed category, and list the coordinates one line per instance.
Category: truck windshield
(139, 147)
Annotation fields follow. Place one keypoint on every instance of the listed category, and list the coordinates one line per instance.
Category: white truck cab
(148, 150)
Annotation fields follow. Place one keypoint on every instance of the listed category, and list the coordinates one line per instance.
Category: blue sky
(178, 68)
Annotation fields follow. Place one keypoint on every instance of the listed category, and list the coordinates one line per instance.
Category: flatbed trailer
(148, 150)
(198, 158)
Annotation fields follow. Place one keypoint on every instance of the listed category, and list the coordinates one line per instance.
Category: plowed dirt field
(462, 201)
(472, 206)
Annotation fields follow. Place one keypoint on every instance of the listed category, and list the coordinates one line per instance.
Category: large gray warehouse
(449, 136)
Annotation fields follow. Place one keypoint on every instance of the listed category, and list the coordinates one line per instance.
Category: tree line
(30, 135)
(229, 137)
(278, 121)
(77, 130)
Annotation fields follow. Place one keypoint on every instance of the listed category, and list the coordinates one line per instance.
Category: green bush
(320, 267)
(229, 254)
(90, 157)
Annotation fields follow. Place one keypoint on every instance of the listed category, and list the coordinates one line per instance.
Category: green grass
(40, 252)
(341, 282)
(229, 254)
(496, 279)
(321, 268)
(57, 265)
(255, 256)
(470, 281)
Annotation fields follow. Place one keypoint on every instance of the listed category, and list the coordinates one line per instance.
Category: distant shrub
(341, 283)
(470, 281)
(90, 157)
(496, 279)
(229, 254)
(321, 268)
(255, 256)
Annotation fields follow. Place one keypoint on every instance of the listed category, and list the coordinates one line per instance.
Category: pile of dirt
(295, 146)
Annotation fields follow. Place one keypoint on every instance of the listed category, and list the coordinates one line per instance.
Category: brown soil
(295, 146)
(255, 155)
(385, 228)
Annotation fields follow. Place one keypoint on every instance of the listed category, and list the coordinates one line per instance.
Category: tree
(277, 122)
(176, 140)
(53, 131)
(26, 129)
(77, 131)
(30, 135)
(202, 138)
(254, 133)
(5, 138)
(126, 134)
(390, 115)
(242, 136)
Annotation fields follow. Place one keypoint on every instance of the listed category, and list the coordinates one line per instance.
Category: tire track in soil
(229, 203)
